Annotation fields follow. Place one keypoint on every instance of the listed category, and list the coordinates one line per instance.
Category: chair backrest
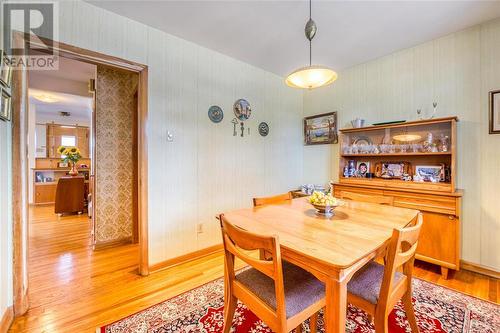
(401, 252)
(272, 200)
(378, 199)
(236, 242)
(70, 195)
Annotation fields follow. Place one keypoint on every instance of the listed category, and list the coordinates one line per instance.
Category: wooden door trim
(20, 176)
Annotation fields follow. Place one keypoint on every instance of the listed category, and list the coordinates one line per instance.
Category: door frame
(20, 151)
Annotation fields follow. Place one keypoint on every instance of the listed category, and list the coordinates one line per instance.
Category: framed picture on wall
(5, 107)
(321, 129)
(495, 112)
(5, 70)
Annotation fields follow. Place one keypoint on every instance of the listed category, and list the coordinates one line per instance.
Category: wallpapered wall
(205, 169)
(456, 71)
(116, 110)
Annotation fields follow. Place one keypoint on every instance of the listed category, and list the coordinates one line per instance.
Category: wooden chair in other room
(70, 195)
(378, 199)
(272, 200)
(376, 288)
(281, 294)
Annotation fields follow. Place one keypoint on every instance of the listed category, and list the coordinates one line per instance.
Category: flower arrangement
(70, 155)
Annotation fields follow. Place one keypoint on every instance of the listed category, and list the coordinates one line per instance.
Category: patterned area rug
(201, 310)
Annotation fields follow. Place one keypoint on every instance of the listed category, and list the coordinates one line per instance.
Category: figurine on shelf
(346, 171)
(417, 178)
(444, 143)
(406, 177)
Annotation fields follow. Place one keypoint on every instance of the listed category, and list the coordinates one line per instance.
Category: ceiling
(80, 107)
(67, 87)
(270, 34)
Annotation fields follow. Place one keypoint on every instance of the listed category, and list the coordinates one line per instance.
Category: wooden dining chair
(377, 289)
(272, 200)
(378, 199)
(279, 293)
(276, 199)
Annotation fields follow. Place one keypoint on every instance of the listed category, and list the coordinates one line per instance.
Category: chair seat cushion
(302, 289)
(366, 282)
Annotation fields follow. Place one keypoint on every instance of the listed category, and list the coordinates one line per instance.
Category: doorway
(21, 159)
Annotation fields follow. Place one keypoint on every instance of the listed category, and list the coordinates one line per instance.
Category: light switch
(170, 136)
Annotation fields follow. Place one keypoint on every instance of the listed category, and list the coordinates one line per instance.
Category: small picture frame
(392, 170)
(495, 112)
(362, 169)
(5, 70)
(430, 173)
(321, 129)
(62, 164)
(5, 105)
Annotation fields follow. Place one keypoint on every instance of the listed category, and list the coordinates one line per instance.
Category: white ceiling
(80, 107)
(270, 34)
(68, 86)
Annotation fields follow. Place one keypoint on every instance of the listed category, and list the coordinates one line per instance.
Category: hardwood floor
(74, 289)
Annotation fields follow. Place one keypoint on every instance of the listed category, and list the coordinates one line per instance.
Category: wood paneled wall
(456, 71)
(115, 155)
(205, 170)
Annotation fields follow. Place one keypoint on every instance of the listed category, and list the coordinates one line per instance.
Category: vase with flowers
(70, 155)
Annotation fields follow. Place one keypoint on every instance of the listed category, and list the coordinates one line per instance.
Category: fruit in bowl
(324, 203)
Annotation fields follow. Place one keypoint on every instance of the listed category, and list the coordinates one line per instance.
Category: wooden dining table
(331, 248)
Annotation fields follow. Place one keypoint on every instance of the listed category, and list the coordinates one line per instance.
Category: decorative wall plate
(215, 114)
(242, 109)
(263, 129)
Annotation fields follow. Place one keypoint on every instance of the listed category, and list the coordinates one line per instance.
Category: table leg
(336, 306)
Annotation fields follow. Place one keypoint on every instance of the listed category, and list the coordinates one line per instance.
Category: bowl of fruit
(324, 203)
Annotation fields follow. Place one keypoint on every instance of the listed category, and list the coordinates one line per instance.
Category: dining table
(331, 248)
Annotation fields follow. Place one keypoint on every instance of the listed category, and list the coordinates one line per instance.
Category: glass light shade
(311, 77)
(407, 137)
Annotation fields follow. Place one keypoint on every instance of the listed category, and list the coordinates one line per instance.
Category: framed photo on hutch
(495, 112)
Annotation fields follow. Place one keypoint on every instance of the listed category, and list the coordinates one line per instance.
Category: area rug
(438, 309)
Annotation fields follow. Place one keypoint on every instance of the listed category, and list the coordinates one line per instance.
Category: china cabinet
(415, 164)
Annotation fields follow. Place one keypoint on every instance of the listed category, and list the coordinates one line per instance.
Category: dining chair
(378, 199)
(272, 200)
(377, 289)
(279, 293)
(276, 199)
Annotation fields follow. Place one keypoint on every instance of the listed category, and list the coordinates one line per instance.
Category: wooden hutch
(415, 163)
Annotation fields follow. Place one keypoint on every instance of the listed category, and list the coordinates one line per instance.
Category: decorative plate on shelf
(362, 140)
(242, 109)
(215, 114)
(263, 129)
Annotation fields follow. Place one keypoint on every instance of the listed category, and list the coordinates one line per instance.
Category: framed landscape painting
(321, 129)
(495, 112)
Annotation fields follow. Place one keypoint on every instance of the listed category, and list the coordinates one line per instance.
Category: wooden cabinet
(439, 241)
(55, 132)
(432, 148)
(45, 193)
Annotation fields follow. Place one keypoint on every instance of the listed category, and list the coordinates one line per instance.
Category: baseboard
(479, 269)
(113, 243)
(7, 319)
(185, 258)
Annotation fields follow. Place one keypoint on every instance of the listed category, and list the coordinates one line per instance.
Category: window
(68, 140)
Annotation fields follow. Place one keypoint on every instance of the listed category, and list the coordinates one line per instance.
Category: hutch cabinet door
(438, 242)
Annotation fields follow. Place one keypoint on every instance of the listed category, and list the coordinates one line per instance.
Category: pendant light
(311, 77)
